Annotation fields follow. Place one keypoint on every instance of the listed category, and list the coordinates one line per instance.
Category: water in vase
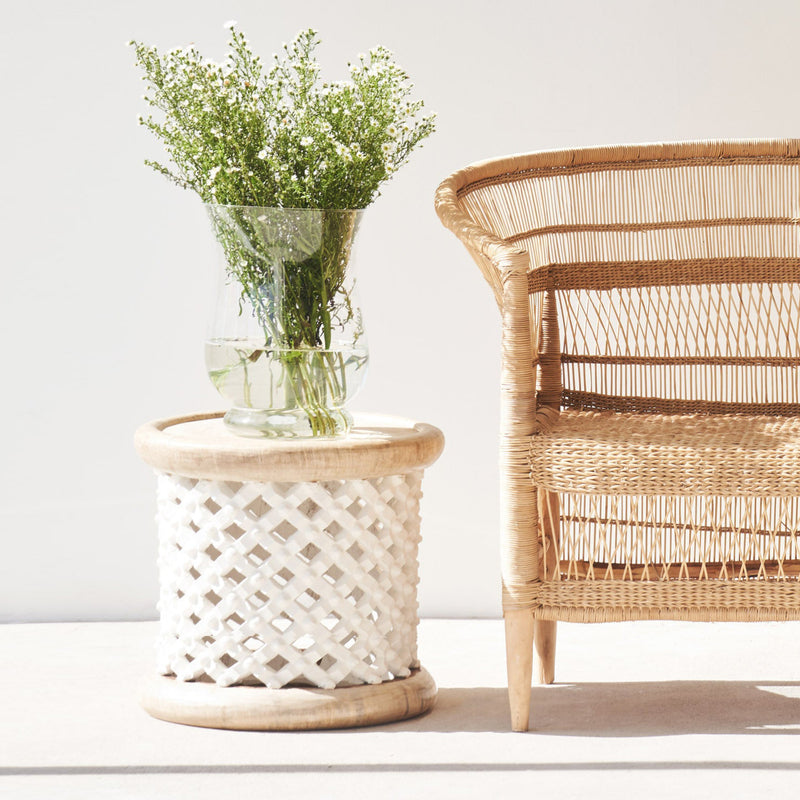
(279, 392)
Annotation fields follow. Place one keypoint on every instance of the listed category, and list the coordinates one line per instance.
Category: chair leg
(545, 630)
(519, 663)
(545, 641)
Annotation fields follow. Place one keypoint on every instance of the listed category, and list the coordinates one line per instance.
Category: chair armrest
(493, 256)
(505, 268)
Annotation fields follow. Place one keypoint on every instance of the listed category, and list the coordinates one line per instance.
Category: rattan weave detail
(606, 275)
(604, 452)
(742, 601)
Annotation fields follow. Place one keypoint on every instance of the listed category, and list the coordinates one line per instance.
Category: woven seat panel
(288, 583)
(640, 454)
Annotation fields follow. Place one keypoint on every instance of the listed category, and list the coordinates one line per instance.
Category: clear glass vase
(286, 345)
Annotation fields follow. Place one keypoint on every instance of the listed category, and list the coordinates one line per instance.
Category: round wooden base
(256, 708)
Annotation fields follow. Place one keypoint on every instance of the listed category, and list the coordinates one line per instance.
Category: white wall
(106, 265)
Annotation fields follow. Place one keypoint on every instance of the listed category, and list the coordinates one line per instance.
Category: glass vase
(286, 346)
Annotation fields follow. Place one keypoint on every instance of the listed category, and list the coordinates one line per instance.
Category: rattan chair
(650, 412)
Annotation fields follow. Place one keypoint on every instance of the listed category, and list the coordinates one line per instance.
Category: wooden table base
(256, 708)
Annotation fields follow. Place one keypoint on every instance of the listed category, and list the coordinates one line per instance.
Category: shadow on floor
(624, 709)
(600, 710)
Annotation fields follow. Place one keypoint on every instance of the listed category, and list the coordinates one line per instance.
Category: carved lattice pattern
(288, 583)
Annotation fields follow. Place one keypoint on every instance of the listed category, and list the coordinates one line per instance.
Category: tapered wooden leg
(519, 663)
(545, 630)
(545, 640)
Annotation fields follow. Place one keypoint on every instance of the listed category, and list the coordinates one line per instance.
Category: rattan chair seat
(603, 452)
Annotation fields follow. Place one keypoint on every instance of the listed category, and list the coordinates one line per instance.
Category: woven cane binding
(288, 583)
(664, 340)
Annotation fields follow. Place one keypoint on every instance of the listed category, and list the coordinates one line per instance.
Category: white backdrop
(106, 266)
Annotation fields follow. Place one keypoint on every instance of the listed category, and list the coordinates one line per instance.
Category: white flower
(230, 24)
(262, 154)
(213, 174)
(306, 141)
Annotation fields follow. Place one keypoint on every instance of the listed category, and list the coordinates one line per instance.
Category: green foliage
(240, 134)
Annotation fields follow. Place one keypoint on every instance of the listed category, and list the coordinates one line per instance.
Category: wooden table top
(200, 446)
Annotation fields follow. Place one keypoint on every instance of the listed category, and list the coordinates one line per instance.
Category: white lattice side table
(288, 575)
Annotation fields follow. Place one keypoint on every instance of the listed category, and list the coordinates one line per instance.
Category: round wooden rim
(257, 708)
(377, 446)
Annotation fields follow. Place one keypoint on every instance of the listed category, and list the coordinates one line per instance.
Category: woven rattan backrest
(674, 269)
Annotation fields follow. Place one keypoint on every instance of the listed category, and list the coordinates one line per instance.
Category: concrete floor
(659, 709)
